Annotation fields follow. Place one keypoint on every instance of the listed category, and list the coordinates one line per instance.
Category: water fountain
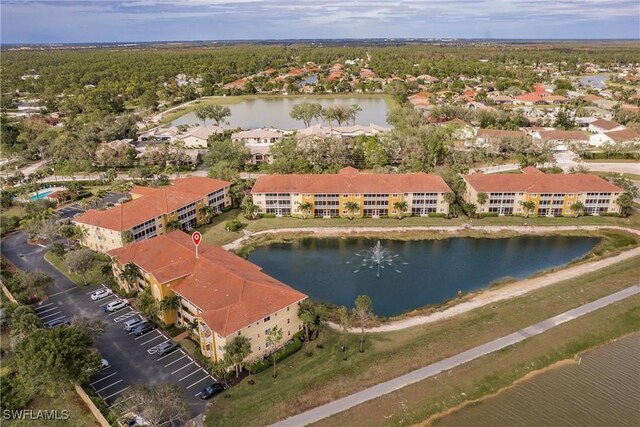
(378, 257)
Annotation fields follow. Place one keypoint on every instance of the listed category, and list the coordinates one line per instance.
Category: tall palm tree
(528, 207)
(174, 225)
(351, 208)
(129, 274)
(101, 194)
(208, 212)
(400, 207)
(170, 303)
(305, 208)
(482, 198)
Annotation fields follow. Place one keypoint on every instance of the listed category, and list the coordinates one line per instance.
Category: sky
(84, 21)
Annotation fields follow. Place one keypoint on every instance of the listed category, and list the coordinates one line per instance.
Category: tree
(69, 232)
(305, 208)
(34, 282)
(53, 359)
(274, 337)
(625, 201)
(307, 314)
(351, 208)
(220, 370)
(577, 208)
(81, 261)
(218, 113)
(127, 236)
(22, 322)
(528, 207)
(364, 313)
(471, 209)
(170, 303)
(202, 114)
(250, 209)
(306, 111)
(93, 327)
(208, 212)
(159, 405)
(401, 207)
(345, 319)
(129, 274)
(237, 351)
(148, 304)
(174, 225)
(482, 198)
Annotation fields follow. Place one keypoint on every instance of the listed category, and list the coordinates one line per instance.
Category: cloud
(132, 20)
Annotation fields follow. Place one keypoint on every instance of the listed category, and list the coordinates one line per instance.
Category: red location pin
(196, 237)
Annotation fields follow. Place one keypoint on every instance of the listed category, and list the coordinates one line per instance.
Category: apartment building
(151, 210)
(338, 195)
(224, 294)
(552, 194)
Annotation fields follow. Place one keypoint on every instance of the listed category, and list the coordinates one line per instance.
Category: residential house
(259, 143)
(375, 195)
(603, 125)
(222, 294)
(341, 132)
(151, 210)
(485, 137)
(622, 136)
(553, 194)
(561, 139)
(193, 138)
(461, 130)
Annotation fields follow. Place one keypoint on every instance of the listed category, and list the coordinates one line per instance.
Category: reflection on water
(602, 391)
(274, 112)
(436, 270)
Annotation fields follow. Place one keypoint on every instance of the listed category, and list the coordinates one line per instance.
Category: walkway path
(387, 387)
(512, 290)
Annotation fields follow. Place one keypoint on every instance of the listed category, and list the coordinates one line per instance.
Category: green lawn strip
(78, 413)
(305, 382)
(631, 176)
(215, 233)
(6, 215)
(485, 376)
(93, 277)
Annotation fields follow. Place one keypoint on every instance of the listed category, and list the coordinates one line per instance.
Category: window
(394, 195)
(220, 347)
(288, 308)
(267, 331)
(266, 319)
(345, 195)
(239, 333)
(288, 321)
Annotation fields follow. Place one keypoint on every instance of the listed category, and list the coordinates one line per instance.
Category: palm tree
(129, 274)
(84, 204)
(307, 314)
(101, 194)
(528, 207)
(237, 351)
(174, 225)
(208, 212)
(482, 198)
(127, 236)
(170, 303)
(401, 207)
(577, 208)
(202, 114)
(249, 209)
(344, 324)
(305, 208)
(351, 208)
(625, 201)
(471, 209)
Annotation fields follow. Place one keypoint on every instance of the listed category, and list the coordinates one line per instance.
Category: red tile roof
(564, 135)
(231, 291)
(349, 180)
(154, 202)
(498, 133)
(529, 182)
(623, 135)
(605, 124)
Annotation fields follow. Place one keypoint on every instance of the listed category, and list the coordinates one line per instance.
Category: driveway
(132, 359)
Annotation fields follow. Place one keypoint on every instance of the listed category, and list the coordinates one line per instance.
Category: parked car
(211, 390)
(57, 322)
(105, 364)
(116, 305)
(167, 347)
(130, 324)
(143, 328)
(101, 293)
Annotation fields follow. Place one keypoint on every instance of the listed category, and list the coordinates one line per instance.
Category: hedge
(281, 354)
(436, 215)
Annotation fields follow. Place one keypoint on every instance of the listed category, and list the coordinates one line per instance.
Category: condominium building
(223, 294)
(151, 210)
(552, 194)
(350, 193)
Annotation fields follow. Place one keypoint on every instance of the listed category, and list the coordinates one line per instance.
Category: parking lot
(132, 359)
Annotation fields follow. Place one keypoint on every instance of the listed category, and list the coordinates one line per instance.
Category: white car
(116, 305)
(102, 293)
(105, 364)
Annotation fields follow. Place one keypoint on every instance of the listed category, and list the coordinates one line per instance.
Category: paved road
(387, 387)
(132, 359)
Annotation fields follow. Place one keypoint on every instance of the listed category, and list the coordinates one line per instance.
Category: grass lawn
(93, 277)
(288, 222)
(79, 415)
(305, 382)
(6, 214)
(215, 233)
(631, 176)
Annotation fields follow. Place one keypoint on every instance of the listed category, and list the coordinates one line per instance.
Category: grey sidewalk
(381, 389)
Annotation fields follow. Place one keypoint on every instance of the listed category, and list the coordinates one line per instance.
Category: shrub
(614, 214)
(234, 225)
(282, 354)
(436, 215)
(58, 250)
(488, 215)
(267, 215)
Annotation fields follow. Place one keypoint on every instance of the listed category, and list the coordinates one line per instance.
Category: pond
(274, 112)
(416, 273)
(597, 81)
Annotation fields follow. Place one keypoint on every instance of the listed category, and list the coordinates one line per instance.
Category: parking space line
(117, 392)
(169, 364)
(103, 378)
(96, 290)
(107, 302)
(145, 335)
(199, 381)
(152, 339)
(125, 316)
(167, 355)
(119, 311)
(187, 376)
(110, 385)
(52, 314)
(180, 369)
(43, 306)
(48, 309)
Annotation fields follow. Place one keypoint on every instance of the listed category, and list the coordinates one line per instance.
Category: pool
(40, 195)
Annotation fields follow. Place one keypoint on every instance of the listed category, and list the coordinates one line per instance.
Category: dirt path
(512, 290)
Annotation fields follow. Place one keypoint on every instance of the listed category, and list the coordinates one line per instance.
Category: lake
(416, 273)
(603, 390)
(274, 112)
(597, 81)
